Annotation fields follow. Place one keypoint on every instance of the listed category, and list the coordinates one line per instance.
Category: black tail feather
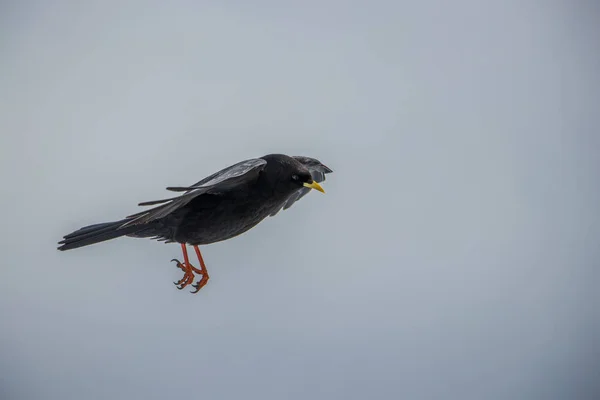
(94, 234)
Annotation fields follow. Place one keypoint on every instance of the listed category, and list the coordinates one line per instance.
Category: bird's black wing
(317, 171)
(224, 180)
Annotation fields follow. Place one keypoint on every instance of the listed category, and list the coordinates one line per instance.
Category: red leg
(185, 255)
(187, 268)
(187, 260)
(204, 280)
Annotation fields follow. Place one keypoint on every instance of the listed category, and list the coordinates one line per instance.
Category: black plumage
(219, 207)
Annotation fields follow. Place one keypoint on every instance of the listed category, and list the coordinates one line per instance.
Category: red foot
(188, 271)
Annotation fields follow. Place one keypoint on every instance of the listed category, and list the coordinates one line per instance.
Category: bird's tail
(94, 234)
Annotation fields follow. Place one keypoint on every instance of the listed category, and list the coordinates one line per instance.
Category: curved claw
(200, 284)
(188, 276)
(179, 283)
(185, 280)
(179, 264)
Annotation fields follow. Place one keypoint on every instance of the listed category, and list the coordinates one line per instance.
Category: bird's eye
(295, 177)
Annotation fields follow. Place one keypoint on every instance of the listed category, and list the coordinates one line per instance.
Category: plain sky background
(454, 256)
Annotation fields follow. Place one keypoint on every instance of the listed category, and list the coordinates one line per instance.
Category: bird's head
(304, 178)
(290, 174)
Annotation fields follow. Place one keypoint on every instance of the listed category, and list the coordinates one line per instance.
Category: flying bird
(219, 207)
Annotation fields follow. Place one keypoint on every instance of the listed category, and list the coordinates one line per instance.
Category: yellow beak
(314, 185)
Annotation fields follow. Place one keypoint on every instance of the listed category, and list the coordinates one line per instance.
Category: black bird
(219, 207)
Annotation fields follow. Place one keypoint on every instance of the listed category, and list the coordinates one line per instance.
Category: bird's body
(233, 212)
(219, 207)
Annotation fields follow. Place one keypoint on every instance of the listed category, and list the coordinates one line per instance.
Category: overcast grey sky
(454, 256)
